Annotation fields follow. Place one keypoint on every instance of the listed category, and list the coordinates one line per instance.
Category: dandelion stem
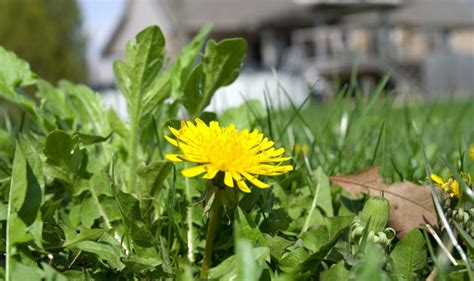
(211, 230)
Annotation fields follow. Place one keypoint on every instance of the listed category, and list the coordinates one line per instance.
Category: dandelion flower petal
(228, 179)
(194, 171)
(173, 157)
(437, 179)
(243, 186)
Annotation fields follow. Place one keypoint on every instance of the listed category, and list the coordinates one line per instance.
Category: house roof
(226, 15)
(434, 13)
(189, 16)
(232, 15)
(439, 14)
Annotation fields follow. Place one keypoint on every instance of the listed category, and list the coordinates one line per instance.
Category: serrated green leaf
(139, 264)
(409, 255)
(86, 139)
(227, 269)
(79, 234)
(25, 190)
(89, 107)
(33, 159)
(3, 212)
(243, 116)
(335, 227)
(248, 228)
(277, 220)
(370, 267)
(51, 274)
(14, 71)
(207, 117)
(220, 67)
(24, 272)
(7, 143)
(9, 94)
(75, 215)
(62, 151)
(129, 207)
(324, 200)
(76, 275)
(337, 272)
(181, 69)
(60, 147)
(53, 100)
(110, 208)
(277, 245)
(89, 211)
(156, 96)
(152, 176)
(98, 184)
(104, 252)
(138, 74)
(19, 182)
(138, 80)
(337, 224)
(117, 124)
(315, 238)
(293, 259)
(18, 231)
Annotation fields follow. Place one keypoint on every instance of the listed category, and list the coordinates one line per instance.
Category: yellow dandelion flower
(451, 185)
(240, 156)
(471, 152)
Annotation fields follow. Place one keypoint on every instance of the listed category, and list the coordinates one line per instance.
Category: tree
(47, 34)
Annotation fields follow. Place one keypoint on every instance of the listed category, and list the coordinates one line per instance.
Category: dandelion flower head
(451, 185)
(240, 156)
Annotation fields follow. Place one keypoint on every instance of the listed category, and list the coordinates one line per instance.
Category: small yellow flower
(240, 156)
(471, 152)
(451, 185)
(301, 149)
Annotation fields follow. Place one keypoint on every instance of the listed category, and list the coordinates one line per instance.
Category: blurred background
(302, 46)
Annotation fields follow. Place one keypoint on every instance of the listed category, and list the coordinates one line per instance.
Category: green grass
(385, 134)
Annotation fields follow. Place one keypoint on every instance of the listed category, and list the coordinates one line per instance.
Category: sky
(99, 20)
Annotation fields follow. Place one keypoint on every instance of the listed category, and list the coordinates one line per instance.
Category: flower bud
(377, 210)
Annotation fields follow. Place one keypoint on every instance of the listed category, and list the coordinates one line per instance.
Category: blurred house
(426, 45)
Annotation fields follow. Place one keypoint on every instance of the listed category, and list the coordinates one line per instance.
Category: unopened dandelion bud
(376, 238)
(465, 218)
(382, 237)
(370, 236)
(390, 233)
(471, 212)
(377, 210)
(356, 230)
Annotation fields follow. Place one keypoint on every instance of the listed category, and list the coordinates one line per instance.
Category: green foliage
(220, 67)
(337, 272)
(47, 34)
(409, 256)
(88, 196)
(16, 73)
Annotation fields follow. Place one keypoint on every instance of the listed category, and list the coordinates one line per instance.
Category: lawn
(367, 187)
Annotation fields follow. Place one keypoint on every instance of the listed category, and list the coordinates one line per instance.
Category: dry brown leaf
(411, 204)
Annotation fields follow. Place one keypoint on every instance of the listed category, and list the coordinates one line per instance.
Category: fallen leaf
(411, 204)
